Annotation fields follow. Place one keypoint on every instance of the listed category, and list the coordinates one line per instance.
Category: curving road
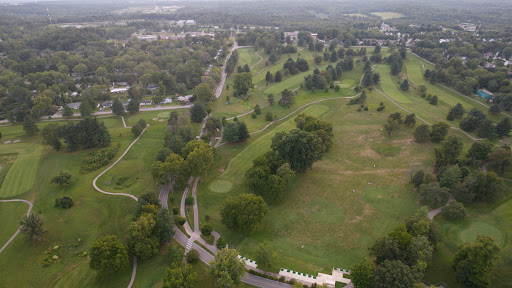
(19, 229)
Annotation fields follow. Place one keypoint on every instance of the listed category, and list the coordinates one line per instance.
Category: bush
(264, 275)
(206, 229)
(192, 256)
(175, 210)
(99, 158)
(189, 200)
(269, 116)
(221, 243)
(253, 115)
(282, 279)
(257, 109)
(137, 129)
(64, 202)
(455, 211)
(380, 108)
(180, 220)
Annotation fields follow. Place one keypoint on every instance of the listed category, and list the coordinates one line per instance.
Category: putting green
(481, 228)
(221, 186)
(21, 176)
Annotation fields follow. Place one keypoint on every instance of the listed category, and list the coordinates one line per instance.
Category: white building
(167, 100)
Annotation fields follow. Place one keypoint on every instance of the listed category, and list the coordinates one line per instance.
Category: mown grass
(11, 213)
(331, 214)
(21, 175)
(388, 15)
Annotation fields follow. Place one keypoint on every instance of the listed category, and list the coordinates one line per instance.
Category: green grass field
(11, 213)
(388, 15)
(322, 223)
(21, 175)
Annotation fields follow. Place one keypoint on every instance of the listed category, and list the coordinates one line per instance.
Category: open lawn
(332, 213)
(11, 213)
(388, 15)
(21, 175)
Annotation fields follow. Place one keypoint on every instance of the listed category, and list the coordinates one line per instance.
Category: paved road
(434, 212)
(99, 113)
(220, 86)
(17, 231)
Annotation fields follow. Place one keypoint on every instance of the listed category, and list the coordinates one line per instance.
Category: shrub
(175, 210)
(189, 200)
(380, 108)
(257, 109)
(99, 158)
(206, 229)
(282, 279)
(221, 243)
(192, 256)
(253, 115)
(455, 211)
(180, 220)
(269, 116)
(66, 202)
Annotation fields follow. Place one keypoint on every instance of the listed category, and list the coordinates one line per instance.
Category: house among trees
(75, 106)
(107, 104)
(167, 100)
(119, 90)
(145, 103)
(185, 99)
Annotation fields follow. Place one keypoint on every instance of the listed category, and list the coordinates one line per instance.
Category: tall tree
(266, 256)
(227, 270)
(117, 107)
(142, 240)
(198, 112)
(67, 111)
(244, 213)
(29, 125)
(32, 227)
(474, 262)
(203, 93)
(395, 274)
(299, 148)
(180, 276)
(243, 82)
(108, 255)
(362, 273)
(165, 225)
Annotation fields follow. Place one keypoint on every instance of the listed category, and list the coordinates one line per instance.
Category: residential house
(153, 87)
(75, 106)
(107, 104)
(185, 99)
(167, 100)
(145, 103)
(119, 90)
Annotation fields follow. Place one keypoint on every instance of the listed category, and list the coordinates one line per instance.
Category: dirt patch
(370, 153)
(403, 141)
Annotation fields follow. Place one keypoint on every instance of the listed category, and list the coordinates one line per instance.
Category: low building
(185, 99)
(119, 90)
(167, 100)
(107, 104)
(75, 105)
(484, 93)
(145, 103)
(153, 87)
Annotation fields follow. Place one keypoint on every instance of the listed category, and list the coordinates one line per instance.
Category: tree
(405, 85)
(287, 98)
(29, 126)
(51, 135)
(231, 132)
(474, 262)
(142, 239)
(368, 78)
(137, 129)
(422, 133)
(192, 256)
(32, 227)
(200, 157)
(501, 158)
(87, 107)
(63, 178)
(433, 100)
(503, 127)
(117, 107)
(439, 131)
(395, 274)
(67, 111)
(333, 57)
(244, 213)
(133, 106)
(165, 225)
(227, 270)
(418, 177)
(270, 98)
(390, 126)
(108, 255)
(396, 67)
(206, 228)
(66, 202)
(174, 171)
(450, 176)
(410, 120)
(198, 112)
(180, 276)
(451, 148)
(278, 77)
(455, 211)
(495, 109)
(266, 256)
(433, 195)
(243, 82)
(478, 186)
(299, 148)
(203, 93)
(362, 273)
(479, 150)
(486, 129)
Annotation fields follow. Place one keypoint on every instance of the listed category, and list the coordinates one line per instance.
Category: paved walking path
(19, 229)
(434, 212)
(484, 169)
(261, 59)
(114, 164)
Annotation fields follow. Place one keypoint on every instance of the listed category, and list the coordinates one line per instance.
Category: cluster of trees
(87, 133)
(89, 61)
(436, 133)
(151, 228)
(395, 120)
(477, 121)
(231, 63)
(396, 60)
(194, 160)
(243, 84)
(323, 79)
(400, 258)
(236, 131)
(139, 127)
(278, 77)
(370, 77)
(294, 67)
